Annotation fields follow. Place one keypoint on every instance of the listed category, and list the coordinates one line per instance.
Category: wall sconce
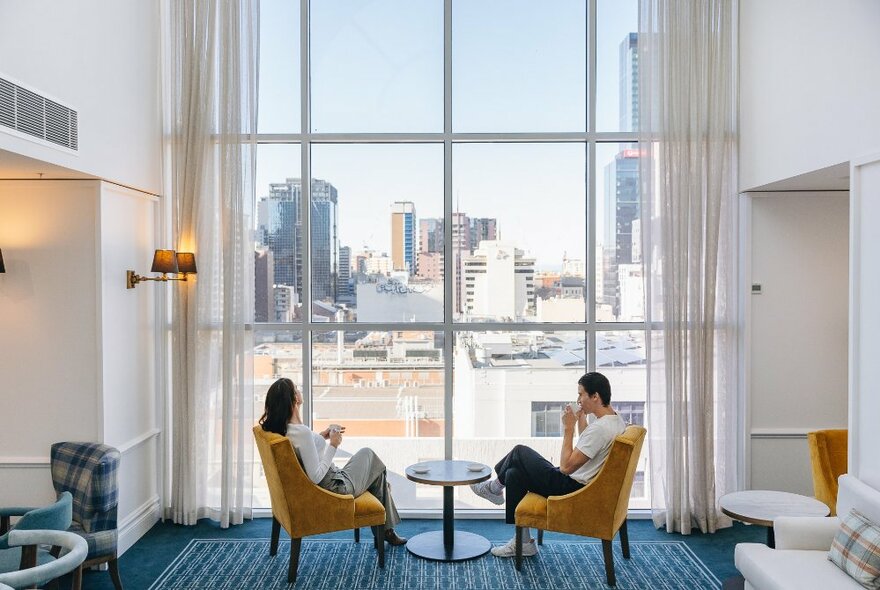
(2, 266)
(165, 262)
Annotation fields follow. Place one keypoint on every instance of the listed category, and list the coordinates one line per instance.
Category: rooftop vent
(33, 115)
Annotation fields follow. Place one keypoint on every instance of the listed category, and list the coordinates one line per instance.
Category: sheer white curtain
(687, 76)
(210, 86)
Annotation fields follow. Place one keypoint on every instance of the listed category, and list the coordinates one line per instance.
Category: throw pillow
(856, 549)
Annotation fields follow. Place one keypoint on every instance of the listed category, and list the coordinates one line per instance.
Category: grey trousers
(364, 472)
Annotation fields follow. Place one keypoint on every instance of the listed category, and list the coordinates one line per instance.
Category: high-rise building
(499, 282)
(280, 228)
(483, 228)
(264, 279)
(403, 236)
(344, 292)
(629, 83)
(431, 235)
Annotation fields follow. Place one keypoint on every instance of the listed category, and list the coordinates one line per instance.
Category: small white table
(764, 506)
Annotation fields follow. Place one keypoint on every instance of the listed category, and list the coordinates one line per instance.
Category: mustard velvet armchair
(597, 510)
(828, 457)
(304, 509)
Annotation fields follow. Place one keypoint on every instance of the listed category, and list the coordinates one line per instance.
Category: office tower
(629, 83)
(343, 283)
(499, 282)
(431, 235)
(280, 222)
(403, 236)
(264, 279)
(325, 240)
(483, 228)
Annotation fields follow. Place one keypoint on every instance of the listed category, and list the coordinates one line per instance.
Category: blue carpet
(333, 564)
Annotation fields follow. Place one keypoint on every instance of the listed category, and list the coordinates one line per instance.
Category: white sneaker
(529, 549)
(482, 490)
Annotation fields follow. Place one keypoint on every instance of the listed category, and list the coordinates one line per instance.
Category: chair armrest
(76, 551)
(805, 532)
(15, 510)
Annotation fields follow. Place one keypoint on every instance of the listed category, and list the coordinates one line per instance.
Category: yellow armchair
(304, 509)
(828, 458)
(597, 510)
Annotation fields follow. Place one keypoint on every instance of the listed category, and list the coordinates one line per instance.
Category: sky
(377, 66)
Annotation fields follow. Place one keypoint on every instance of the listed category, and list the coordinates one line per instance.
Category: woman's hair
(279, 406)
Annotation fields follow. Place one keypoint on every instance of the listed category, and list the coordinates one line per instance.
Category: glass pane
(276, 355)
(509, 390)
(621, 357)
(377, 66)
(278, 255)
(386, 388)
(377, 233)
(620, 294)
(519, 232)
(617, 65)
(279, 92)
(519, 65)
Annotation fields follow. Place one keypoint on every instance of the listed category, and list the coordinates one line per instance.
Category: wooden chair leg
(624, 540)
(540, 536)
(76, 578)
(518, 544)
(295, 546)
(276, 531)
(357, 535)
(379, 540)
(113, 566)
(609, 562)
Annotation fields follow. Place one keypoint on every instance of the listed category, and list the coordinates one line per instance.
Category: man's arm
(570, 458)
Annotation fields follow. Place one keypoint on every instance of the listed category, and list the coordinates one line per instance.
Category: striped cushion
(856, 549)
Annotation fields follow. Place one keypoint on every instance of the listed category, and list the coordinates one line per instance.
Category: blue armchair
(89, 472)
(54, 517)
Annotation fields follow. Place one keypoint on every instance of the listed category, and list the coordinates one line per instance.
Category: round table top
(448, 473)
(764, 506)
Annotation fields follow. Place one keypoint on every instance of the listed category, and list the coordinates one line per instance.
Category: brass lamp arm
(132, 278)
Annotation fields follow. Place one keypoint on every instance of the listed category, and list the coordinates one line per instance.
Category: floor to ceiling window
(447, 231)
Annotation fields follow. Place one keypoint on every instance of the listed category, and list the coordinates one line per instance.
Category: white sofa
(800, 560)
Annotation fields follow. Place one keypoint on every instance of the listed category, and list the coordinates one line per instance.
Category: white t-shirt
(595, 442)
(314, 453)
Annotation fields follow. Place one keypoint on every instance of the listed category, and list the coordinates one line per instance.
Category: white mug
(335, 428)
(575, 407)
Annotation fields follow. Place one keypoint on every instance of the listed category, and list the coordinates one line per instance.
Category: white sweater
(314, 452)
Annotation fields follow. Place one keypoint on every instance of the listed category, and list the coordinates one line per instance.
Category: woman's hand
(335, 438)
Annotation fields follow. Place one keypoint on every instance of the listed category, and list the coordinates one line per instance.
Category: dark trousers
(523, 470)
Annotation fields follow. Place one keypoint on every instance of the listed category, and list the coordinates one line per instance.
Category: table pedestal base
(464, 546)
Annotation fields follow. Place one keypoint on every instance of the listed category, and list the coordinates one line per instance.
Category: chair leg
(276, 531)
(609, 562)
(518, 544)
(113, 566)
(357, 535)
(76, 578)
(624, 540)
(379, 540)
(295, 546)
(540, 536)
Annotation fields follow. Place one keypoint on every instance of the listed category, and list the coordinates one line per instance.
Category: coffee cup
(335, 428)
(575, 407)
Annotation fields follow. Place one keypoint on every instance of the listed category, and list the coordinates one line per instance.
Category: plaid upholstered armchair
(89, 472)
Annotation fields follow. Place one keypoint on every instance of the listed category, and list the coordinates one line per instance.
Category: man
(523, 470)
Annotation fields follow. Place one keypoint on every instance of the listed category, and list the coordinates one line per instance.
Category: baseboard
(135, 525)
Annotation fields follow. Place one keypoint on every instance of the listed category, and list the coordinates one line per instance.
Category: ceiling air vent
(33, 115)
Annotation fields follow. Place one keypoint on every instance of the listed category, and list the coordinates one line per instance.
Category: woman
(364, 472)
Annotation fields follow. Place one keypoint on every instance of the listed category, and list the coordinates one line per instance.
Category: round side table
(448, 544)
(762, 507)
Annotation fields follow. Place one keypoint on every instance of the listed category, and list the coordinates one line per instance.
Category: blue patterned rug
(341, 564)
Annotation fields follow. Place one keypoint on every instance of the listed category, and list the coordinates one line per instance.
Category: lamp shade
(186, 262)
(2, 266)
(164, 261)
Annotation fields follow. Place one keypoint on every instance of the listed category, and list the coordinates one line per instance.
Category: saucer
(475, 467)
(421, 469)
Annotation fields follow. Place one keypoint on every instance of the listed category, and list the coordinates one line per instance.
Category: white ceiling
(16, 166)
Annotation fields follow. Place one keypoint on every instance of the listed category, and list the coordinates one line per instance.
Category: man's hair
(597, 383)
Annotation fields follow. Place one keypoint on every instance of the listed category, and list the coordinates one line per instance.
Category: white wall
(864, 373)
(808, 86)
(100, 58)
(799, 330)
(79, 349)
